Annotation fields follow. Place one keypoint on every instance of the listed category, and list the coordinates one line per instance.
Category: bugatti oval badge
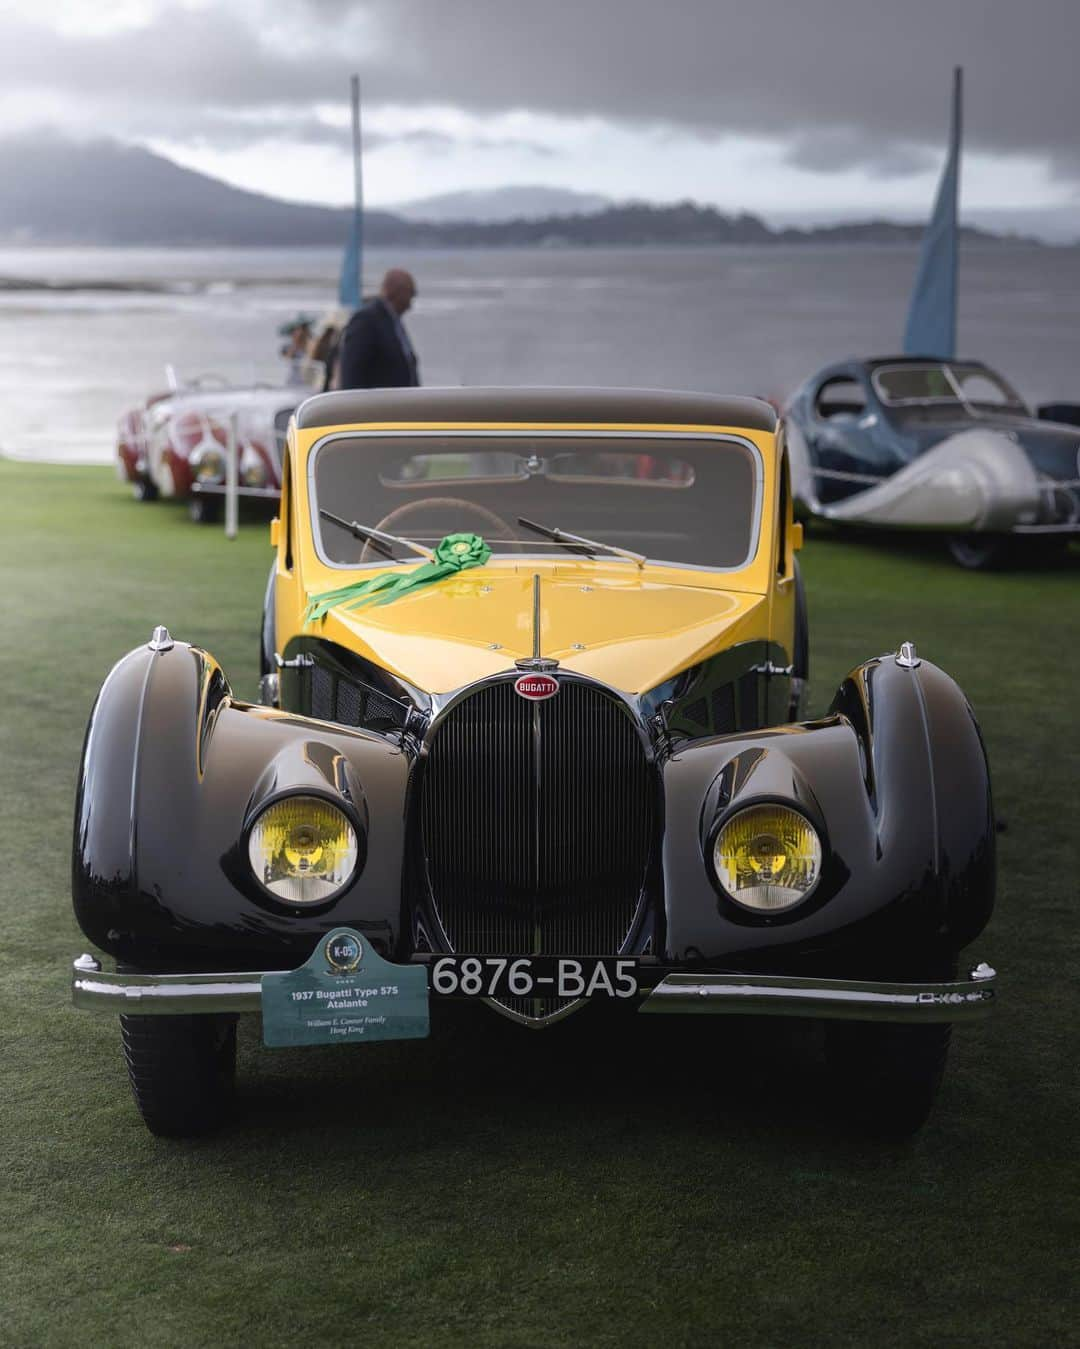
(536, 687)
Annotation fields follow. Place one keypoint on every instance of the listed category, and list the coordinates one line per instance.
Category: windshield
(944, 382)
(688, 500)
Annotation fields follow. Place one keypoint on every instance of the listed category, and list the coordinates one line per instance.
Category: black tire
(980, 552)
(142, 489)
(885, 1077)
(800, 662)
(205, 509)
(182, 1071)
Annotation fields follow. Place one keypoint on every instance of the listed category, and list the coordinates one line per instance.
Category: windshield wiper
(588, 546)
(377, 537)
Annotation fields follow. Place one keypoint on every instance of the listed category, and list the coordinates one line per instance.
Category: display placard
(346, 993)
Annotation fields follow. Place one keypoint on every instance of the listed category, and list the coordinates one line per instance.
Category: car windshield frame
(548, 551)
(1012, 402)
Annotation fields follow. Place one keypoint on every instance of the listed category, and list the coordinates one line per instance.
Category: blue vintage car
(902, 442)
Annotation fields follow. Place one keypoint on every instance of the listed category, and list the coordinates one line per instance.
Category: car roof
(644, 407)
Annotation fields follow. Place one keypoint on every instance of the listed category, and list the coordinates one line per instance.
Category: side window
(286, 508)
(840, 398)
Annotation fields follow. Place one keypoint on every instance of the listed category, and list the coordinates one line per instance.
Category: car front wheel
(980, 552)
(885, 1077)
(205, 509)
(182, 1070)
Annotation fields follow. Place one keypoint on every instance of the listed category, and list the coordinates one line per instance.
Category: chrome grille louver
(537, 820)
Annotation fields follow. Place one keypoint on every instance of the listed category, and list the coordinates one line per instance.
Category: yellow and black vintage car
(530, 733)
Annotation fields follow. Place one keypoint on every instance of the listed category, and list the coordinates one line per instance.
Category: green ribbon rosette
(455, 553)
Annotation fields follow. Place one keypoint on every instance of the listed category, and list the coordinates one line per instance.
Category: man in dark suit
(375, 351)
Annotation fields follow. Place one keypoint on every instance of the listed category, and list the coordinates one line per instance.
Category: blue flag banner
(931, 320)
(352, 264)
(349, 285)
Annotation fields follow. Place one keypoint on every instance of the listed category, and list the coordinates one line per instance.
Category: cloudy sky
(801, 109)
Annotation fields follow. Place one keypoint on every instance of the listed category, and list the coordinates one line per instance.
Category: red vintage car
(176, 443)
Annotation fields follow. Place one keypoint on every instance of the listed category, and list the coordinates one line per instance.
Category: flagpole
(358, 184)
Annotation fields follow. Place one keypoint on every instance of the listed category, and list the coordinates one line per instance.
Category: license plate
(534, 976)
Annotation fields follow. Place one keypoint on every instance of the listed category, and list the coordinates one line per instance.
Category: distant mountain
(56, 191)
(629, 224)
(486, 205)
(637, 223)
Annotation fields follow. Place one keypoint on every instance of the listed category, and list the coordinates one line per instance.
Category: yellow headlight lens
(303, 849)
(767, 857)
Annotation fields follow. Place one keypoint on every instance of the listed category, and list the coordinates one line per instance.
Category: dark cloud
(796, 69)
(194, 58)
(836, 149)
(223, 131)
(846, 83)
(212, 78)
(431, 139)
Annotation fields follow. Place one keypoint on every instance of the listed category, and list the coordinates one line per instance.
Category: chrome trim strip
(840, 476)
(442, 703)
(831, 999)
(218, 489)
(756, 458)
(1045, 529)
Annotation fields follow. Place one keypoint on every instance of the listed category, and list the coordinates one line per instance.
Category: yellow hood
(628, 629)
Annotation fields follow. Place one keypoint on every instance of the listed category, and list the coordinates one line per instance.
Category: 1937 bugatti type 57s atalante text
(530, 733)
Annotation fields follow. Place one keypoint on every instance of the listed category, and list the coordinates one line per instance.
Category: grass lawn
(679, 1185)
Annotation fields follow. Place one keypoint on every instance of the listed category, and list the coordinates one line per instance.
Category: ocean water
(730, 320)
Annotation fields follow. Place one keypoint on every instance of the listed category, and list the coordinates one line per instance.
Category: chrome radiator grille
(537, 821)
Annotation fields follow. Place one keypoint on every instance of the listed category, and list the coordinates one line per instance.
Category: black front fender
(173, 771)
(896, 782)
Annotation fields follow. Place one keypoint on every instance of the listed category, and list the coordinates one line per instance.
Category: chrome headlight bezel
(252, 469)
(203, 456)
(755, 911)
(321, 902)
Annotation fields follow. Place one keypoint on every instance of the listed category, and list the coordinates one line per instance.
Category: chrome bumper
(218, 489)
(97, 990)
(831, 999)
